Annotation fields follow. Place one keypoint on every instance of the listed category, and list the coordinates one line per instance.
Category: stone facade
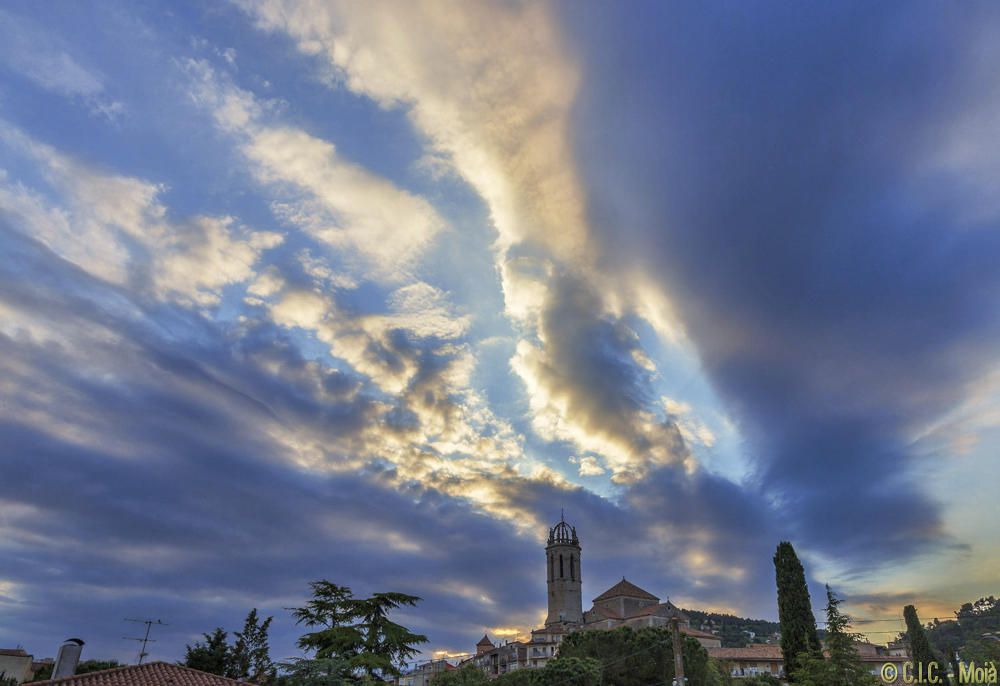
(562, 559)
(624, 604)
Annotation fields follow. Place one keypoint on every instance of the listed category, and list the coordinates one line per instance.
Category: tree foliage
(795, 615)
(920, 647)
(973, 635)
(210, 655)
(356, 633)
(563, 671)
(45, 671)
(247, 659)
(630, 657)
(843, 667)
(469, 675)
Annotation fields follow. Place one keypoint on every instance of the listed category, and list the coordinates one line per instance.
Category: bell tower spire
(562, 557)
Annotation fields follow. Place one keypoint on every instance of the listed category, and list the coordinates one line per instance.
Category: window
(572, 570)
(561, 574)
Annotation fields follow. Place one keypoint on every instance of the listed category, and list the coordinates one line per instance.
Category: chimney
(68, 658)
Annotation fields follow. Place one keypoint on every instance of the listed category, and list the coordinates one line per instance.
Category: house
(761, 658)
(422, 675)
(16, 663)
(149, 674)
(753, 660)
(495, 660)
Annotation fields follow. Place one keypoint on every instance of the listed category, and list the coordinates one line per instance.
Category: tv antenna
(145, 640)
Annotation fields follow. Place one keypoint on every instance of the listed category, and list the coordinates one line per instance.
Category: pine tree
(357, 632)
(798, 625)
(212, 656)
(844, 666)
(250, 658)
(920, 647)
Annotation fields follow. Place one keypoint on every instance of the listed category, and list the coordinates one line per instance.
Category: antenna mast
(145, 639)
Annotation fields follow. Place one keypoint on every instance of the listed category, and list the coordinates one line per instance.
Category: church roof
(484, 641)
(627, 589)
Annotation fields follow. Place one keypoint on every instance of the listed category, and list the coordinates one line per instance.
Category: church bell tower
(562, 558)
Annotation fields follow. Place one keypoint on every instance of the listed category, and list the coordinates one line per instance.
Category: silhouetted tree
(357, 631)
(920, 647)
(249, 658)
(844, 666)
(795, 615)
(210, 656)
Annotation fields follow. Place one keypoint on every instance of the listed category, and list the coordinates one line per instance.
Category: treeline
(733, 631)
(352, 641)
(973, 636)
(623, 656)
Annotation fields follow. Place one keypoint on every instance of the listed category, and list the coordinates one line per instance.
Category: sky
(371, 292)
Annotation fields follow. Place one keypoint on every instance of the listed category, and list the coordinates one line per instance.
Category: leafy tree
(386, 643)
(87, 666)
(210, 656)
(325, 671)
(569, 671)
(844, 666)
(795, 615)
(920, 647)
(760, 680)
(249, 658)
(357, 631)
(332, 609)
(469, 675)
(44, 672)
(519, 677)
(718, 675)
(631, 657)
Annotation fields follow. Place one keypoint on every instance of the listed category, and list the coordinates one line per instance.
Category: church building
(624, 604)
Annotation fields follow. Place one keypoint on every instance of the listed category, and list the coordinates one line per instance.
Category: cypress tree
(920, 647)
(795, 615)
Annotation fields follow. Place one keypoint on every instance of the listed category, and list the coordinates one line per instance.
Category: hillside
(735, 632)
(974, 633)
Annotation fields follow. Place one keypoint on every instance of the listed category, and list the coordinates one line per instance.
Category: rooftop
(149, 674)
(627, 589)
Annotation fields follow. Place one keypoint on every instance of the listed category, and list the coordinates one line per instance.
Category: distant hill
(974, 633)
(735, 632)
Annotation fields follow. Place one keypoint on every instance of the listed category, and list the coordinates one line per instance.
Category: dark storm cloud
(159, 488)
(771, 169)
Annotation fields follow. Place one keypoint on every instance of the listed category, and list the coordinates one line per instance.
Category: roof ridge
(126, 668)
(628, 589)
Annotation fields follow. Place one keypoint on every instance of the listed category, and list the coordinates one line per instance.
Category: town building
(422, 674)
(761, 658)
(495, 660)
(624, 604)
(15, 663)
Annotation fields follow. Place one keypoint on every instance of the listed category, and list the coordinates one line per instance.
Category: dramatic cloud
(370, 291)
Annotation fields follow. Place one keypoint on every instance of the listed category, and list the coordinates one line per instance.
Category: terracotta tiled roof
(485, 641)
(757, 651)
(149, 674)
(13, 652)
(606, 612)
(696, 633)
(666, 609)
(627, 589)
